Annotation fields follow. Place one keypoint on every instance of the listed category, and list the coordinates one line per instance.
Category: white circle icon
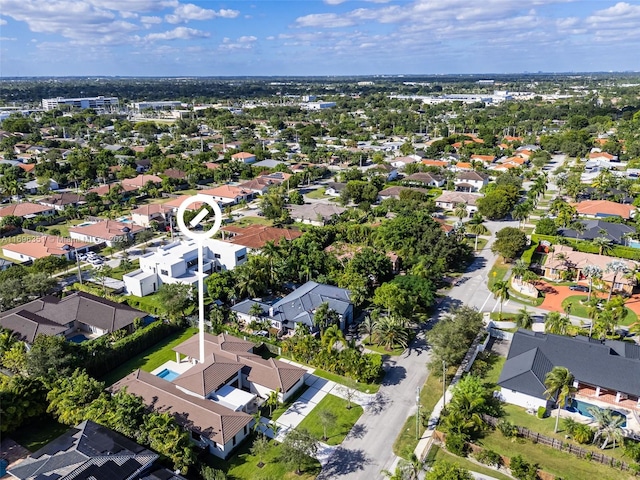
(197, 220)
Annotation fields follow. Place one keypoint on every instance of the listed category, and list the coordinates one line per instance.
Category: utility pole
(444, 383)
(418, 414)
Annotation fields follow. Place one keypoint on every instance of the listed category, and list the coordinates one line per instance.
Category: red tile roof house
(256, 237)
(228, 194)
(60, 201)
(146, 214)
(141, 180)
(243, 157)
(107, 231)
(33, 248)
(212, 398)
(605, 208)
(25, 210)
(603, 156)
(66, 316)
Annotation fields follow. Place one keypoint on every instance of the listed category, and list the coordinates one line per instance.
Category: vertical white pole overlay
(201, 300)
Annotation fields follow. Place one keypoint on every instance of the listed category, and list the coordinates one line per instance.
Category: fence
(564, 446)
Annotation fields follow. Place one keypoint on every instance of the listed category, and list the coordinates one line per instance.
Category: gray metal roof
(615, 231)
(610, 364)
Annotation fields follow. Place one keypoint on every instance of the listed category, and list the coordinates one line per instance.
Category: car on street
(95, 261)
(579, 288)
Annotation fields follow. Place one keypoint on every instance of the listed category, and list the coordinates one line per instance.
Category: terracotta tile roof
(483, 158)
(209, 376)
(435, 163)
(44, 246)
(243, 155)
(22, 209)
(257, 236)
(604, 207)
(176, 202)
(208, 418)
(606, 155)
(27, 167)
(524, 153)
(464, 166)
(107, 229)
(212, 165)
(175, 173)
(580, 260)
(395, 191)
(103, 190)
(141, 180)
(151, 209)
(226, 191)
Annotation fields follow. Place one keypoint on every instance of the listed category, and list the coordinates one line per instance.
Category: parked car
(579, 288)
(95, 261)
(262, 333)
(82, 257)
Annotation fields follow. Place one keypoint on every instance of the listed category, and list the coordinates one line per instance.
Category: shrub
(542, 412)
(583, 434)
(508, 429)
(632, 449)
(456, 444)
(489, 457)
(523, 470)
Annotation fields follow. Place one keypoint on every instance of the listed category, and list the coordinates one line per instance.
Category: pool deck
(179, 368)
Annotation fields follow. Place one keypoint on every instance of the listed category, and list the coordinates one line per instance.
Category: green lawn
(437, 454)
(246, 221)
(580, 310)
(33, 437)
(383, 351)
(317, 193)
(151, 358)
(406, 442)
(244, 466)
(118, 272)
(498, 272)
(63, 227)
(345, 419)
(362, 387)
(277, 412)
(561, 464)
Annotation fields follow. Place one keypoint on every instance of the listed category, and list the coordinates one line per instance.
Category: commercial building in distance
(97, 103)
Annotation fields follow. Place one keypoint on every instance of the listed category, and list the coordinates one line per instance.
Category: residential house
(485, 159)
(173, 204)
(448, 200)
(60, 201)
(106, 231)
(603, 156)
(604, 371)
(299, 307)
(385, 170)
(178, 263)
(605, 208)
(435, 163)
(32, 187)
(394, 192)
(334, 189)
(141, 180)
(462, 167)
(401, 162)
(425, 178)
(565, 258)
(126, 190)
(91, 451)
(261, 184)
(144, 215)
(470, 181)
(268, 163)
(243, 157)
(25, 210)
(618, 233)
(43, 246)
(318, 214)
(228, 195)
(76, 313)
(255, 237)
(211, 398)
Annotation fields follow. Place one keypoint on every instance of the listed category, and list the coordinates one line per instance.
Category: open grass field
(151, 358)
(580, 310)
(345, 419)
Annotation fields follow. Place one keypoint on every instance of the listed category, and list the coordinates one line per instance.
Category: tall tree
(559, 383)
(500, 290)
(617, 267)
(591, 271)
(296, 447)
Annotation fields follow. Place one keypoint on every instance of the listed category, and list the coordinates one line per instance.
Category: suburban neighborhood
(410, 280)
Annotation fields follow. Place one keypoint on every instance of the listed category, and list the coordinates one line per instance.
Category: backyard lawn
(244, 466)
(317, 193)
(246, 221)
(580, 310)
(436, 454)
(282, 407)
(34, 437)
(151, 358)
(345, 419)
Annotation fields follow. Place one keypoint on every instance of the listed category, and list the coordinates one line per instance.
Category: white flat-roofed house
(178, 263)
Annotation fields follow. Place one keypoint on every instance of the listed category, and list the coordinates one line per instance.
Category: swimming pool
(578, 406)
(84, 224)
(167, 374)
(124, 220)
(78, 338)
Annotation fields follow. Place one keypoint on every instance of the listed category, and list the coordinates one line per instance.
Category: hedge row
(102, 355)
(586, 246)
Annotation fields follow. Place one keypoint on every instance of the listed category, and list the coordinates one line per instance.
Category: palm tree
(609, 426)
(368, 326)
(556, 323)
(460, 211)
(603, 244)
(559, 383)
(524, 319)
(500, 290)
(519, 268)
(591, 272)
(616, 267)
(331, 336)
(272, 252)
(273, 400)
(390, 333)
(578, 227)
(7, 340)
(477, 228)
(520, 212)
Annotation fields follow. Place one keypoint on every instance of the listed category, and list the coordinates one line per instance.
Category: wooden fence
(565, 446)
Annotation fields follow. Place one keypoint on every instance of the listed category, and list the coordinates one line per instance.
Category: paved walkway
(317, 389)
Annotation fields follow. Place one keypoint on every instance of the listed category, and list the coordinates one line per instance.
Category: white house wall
(521, 399)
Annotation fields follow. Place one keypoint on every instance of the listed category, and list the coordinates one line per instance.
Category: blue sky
(314, 37)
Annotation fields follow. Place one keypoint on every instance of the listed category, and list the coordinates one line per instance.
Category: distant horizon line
(373, 75)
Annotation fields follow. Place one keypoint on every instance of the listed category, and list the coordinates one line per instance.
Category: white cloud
(246, 42)
(3, 21)
(8, 39)
(324, 20)
(183, 13)
(134, 5)
(178, 33)
(151, 20)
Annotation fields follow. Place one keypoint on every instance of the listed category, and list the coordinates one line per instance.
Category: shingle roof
(88, 451)
(614, 231)
(610, 364)
(208, 418)
(65, 198)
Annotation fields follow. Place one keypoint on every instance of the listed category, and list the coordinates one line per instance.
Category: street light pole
(444, 383)
(418, 414)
